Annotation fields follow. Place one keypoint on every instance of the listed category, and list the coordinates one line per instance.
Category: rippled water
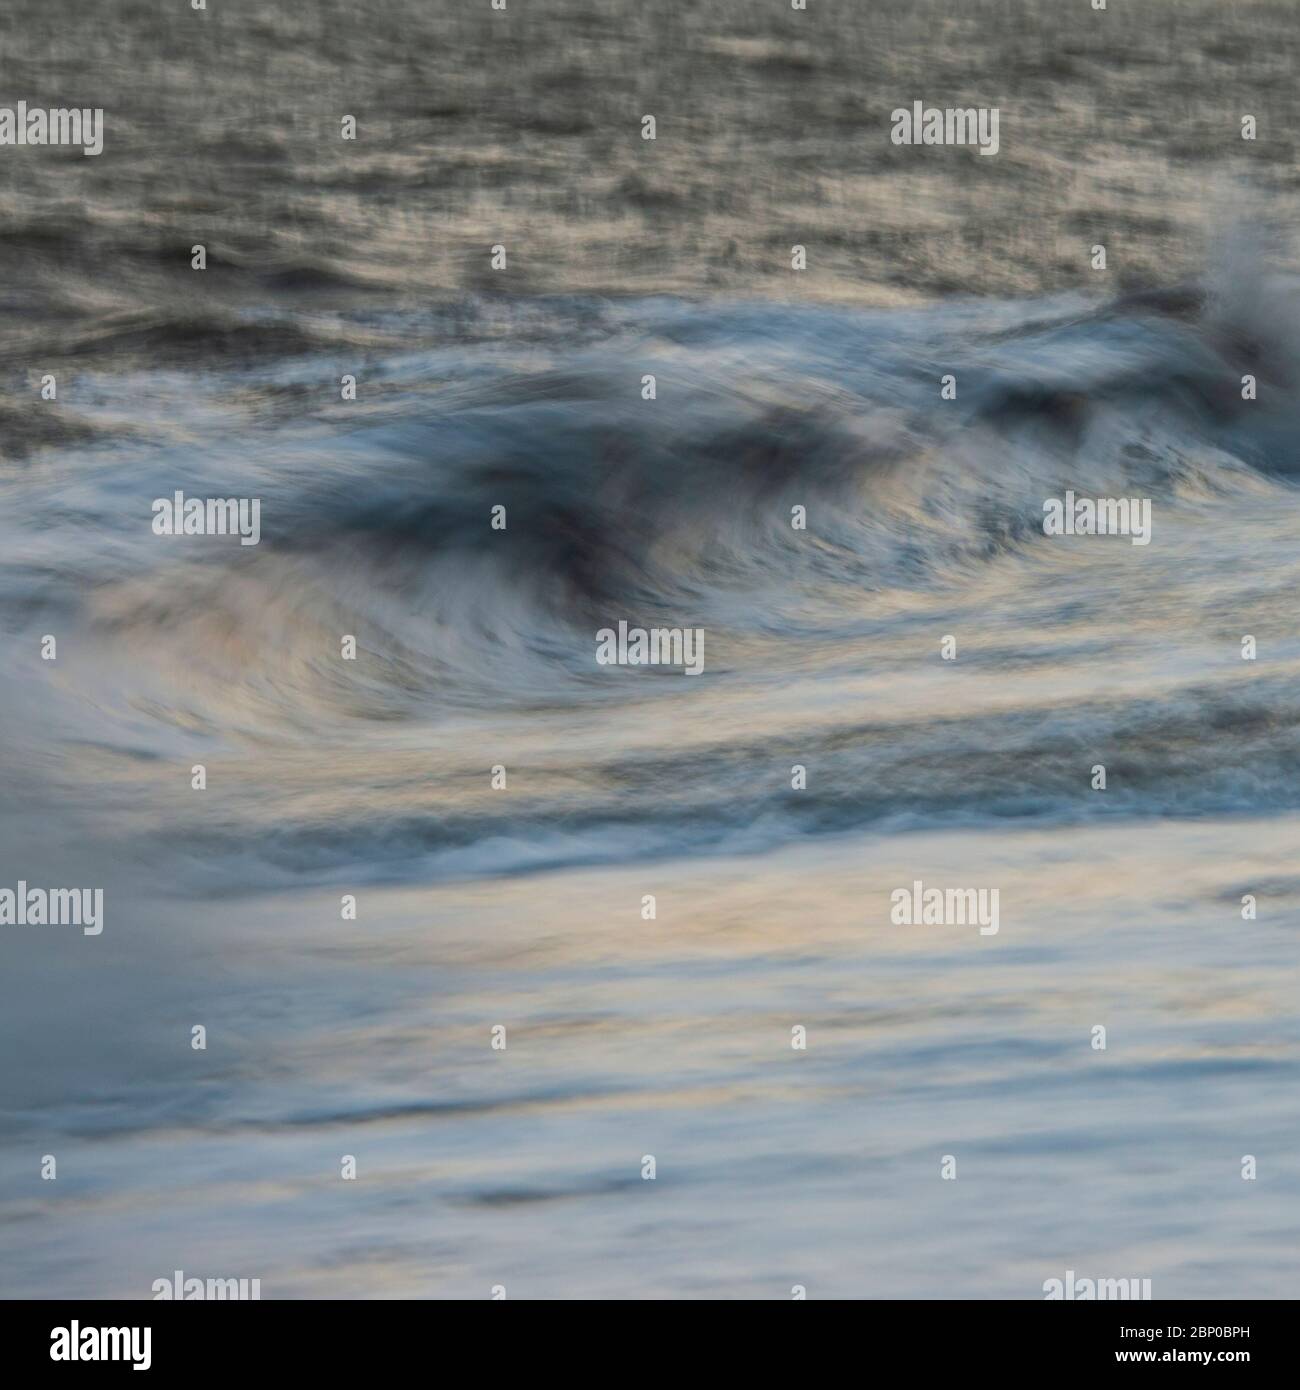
(522, 906)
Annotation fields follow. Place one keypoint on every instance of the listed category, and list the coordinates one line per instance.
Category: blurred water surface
(521, 907)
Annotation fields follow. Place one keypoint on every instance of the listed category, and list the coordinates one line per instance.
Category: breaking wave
(680, 507)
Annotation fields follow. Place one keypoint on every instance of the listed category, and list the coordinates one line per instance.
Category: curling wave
(475, 644)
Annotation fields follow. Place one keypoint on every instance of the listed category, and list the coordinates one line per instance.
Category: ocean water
(521, 907)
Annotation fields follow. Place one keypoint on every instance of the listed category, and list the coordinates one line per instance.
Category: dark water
(521, 906)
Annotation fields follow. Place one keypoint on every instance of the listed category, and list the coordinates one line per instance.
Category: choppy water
(521, 907)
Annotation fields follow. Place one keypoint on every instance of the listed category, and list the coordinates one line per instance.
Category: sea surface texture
(916, 686)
